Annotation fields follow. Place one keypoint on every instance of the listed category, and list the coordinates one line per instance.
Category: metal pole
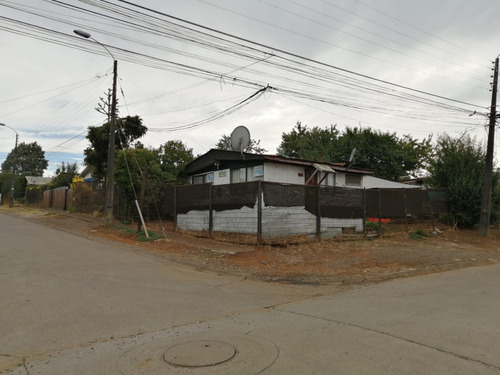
(484, 220)
(13, 176)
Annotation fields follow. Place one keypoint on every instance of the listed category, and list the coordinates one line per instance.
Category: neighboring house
(226, 167)
(86, 174)
(37, 180)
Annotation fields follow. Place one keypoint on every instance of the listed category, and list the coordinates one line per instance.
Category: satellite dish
(240, 138)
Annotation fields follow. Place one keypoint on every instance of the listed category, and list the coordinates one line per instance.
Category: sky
(194, 70)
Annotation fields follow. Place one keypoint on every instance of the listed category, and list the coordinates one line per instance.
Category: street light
(110, 176)
(12, 177)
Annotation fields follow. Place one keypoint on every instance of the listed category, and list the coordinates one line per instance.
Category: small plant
(380, 228)
(141, 236)
(418, 234)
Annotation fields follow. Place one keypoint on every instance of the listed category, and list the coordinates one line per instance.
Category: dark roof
(222, 159)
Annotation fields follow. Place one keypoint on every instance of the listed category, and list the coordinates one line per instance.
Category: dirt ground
(348, 261)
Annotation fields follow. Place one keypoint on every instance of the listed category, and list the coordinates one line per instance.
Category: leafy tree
(174, 156)
(29, 160)
(311, 144)
(5, 186)
(458, 166)
(387, 155)
(254, 146)
(128, 129)
(156, 166)
(64, 175)
(131, 166)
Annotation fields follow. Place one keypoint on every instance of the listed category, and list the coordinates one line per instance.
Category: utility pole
(13, 176)
(110, 177)
(484, 220)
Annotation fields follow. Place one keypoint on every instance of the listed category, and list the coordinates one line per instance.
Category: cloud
(50, 89)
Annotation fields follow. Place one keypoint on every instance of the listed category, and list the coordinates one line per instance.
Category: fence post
(364, 212)
(379, 212)
(405, 210)
(210, 210)
(175, 208)
(318, 215)
(259, 212)
(65, 198)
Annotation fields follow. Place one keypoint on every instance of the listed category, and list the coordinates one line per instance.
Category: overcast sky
(410, 67)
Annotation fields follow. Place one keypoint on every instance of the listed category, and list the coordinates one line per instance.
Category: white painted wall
(222, 177)
(284, 173)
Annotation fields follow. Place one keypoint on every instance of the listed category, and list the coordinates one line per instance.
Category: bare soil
(338, 261)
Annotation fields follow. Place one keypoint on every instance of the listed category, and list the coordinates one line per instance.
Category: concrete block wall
(193, 220)
(243, 220)
(287, 221)
(276, 222)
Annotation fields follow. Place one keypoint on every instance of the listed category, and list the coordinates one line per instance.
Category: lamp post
(110, 175)
(12, 177)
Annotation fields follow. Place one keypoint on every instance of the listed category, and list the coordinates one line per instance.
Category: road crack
(388, 334)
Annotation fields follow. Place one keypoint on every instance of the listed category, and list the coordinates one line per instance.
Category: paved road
(70, 305)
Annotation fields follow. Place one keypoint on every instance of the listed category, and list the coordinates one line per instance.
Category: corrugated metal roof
(36, 180)
(323, 168)
(206, 161)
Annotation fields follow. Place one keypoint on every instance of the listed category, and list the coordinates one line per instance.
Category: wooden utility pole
(110, 178)
(484, 220)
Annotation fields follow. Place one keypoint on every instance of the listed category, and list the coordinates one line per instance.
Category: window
(238, 175)
(203, 178)
(258, 171)
(353, 180)
(199, 179)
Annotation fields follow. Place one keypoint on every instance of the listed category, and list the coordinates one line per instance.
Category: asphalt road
(72, 305)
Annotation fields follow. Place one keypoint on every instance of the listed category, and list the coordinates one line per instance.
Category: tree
(311, 144)
(155, 167)
(29, 160)
(64, 175)
(174, 156)
(131, 167)
(254, 146)
(387, 155)
(458, 166)
(128, 129)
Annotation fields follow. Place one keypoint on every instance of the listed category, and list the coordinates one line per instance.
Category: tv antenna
(351, 157)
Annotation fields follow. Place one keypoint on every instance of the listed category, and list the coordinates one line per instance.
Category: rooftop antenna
(351, 158)
(240, 139)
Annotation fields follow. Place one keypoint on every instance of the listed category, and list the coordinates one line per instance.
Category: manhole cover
(199, 353)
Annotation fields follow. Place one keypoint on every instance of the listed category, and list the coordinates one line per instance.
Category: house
(283, 204)
(86, 174)
(37, 180)
(227, 167)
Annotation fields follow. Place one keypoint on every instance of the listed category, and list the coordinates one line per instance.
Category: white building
(226, 167)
